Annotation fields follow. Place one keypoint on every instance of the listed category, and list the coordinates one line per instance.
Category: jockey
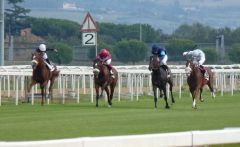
(106, 57)
(197, 56)
(161, 52)
(43, 49)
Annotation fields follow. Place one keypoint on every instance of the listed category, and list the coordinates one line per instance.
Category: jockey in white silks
(197, 56)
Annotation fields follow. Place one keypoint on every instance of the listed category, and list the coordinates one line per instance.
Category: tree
(234, 53)
(64, 54)
(211, 55)
(176, 47)
(14, 15)
(131, 51)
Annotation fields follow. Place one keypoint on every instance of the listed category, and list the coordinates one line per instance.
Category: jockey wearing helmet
(161, 52)
(197, 56)
(43, 49)
(106, 57)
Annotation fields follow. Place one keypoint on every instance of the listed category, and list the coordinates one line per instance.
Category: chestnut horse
(41, 74)
(160, 79)
(196, 81)
(103, 80)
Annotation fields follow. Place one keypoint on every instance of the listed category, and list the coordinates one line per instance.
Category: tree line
(123, 40)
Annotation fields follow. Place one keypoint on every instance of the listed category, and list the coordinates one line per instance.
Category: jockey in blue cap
(161, 52)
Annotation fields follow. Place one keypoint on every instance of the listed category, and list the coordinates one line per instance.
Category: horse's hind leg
(42, 92)
(170, 88)
(165, 98)
(111, 92)
(210, 85)
(97, 94)
(108, 97)
(155, 95)
(201, 99)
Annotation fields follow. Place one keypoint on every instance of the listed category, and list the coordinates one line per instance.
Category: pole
(1, 32)
(96, 44)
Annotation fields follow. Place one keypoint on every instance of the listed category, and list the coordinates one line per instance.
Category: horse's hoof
(167, 107)
(97, 106)
(202, 100)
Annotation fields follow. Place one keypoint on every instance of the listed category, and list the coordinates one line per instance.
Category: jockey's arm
(51, 49)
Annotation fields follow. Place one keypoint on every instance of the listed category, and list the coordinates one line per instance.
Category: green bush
(234, 53)
(176, 47)
(211, 55)
(64, 54)
(131, 51)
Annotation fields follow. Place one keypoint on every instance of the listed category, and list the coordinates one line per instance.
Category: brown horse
(41, 74)
(196, 81)
(103, 80)
(160, 79)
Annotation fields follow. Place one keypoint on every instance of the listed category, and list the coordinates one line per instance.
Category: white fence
(190, 138)
(133, 81)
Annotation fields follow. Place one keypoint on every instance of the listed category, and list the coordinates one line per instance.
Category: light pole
(1, 32)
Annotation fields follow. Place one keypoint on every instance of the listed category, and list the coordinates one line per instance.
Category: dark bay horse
(196, 81)
(103, 80)
(160, 79)
(41, 74)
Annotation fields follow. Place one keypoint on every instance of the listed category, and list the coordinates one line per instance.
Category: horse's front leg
(194, 96)
(165, 98)
(155, 95)
(29, 89)
(97, 93)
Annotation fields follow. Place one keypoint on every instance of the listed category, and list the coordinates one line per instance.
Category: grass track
(57, 121)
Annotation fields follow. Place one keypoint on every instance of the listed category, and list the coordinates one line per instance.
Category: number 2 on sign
(89, 39)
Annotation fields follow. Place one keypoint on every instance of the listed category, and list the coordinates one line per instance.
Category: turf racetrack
(57, 121)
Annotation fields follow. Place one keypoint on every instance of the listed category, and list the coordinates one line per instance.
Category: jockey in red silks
(43, 49)
(106, 57)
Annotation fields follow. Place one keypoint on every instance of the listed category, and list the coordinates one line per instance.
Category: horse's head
(190, 66)
(154, 62)
(36, 59)
(97, 66)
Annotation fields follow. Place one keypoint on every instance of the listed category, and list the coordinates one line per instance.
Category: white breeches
(108, 61)
(44, 55)
(164, 60)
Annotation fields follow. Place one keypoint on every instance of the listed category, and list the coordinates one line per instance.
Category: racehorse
(103, 80)
(160, 79)
(41, 74)
(196, 81)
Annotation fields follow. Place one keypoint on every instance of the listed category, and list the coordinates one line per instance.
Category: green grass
(57, 121)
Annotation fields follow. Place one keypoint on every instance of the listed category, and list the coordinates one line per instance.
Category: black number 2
(90, 36)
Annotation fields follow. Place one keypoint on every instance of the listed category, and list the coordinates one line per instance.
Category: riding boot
(110, 69)
(167, 70)
(204, 72)
(50, 66)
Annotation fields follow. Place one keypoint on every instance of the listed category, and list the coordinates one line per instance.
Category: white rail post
(91, 87)
(78, 90)
(119, 86)
(16, 84)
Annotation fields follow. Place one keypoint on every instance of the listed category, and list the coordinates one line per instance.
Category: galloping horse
(41, 74)
(103, 80)
(196, 81)
(160, 79)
